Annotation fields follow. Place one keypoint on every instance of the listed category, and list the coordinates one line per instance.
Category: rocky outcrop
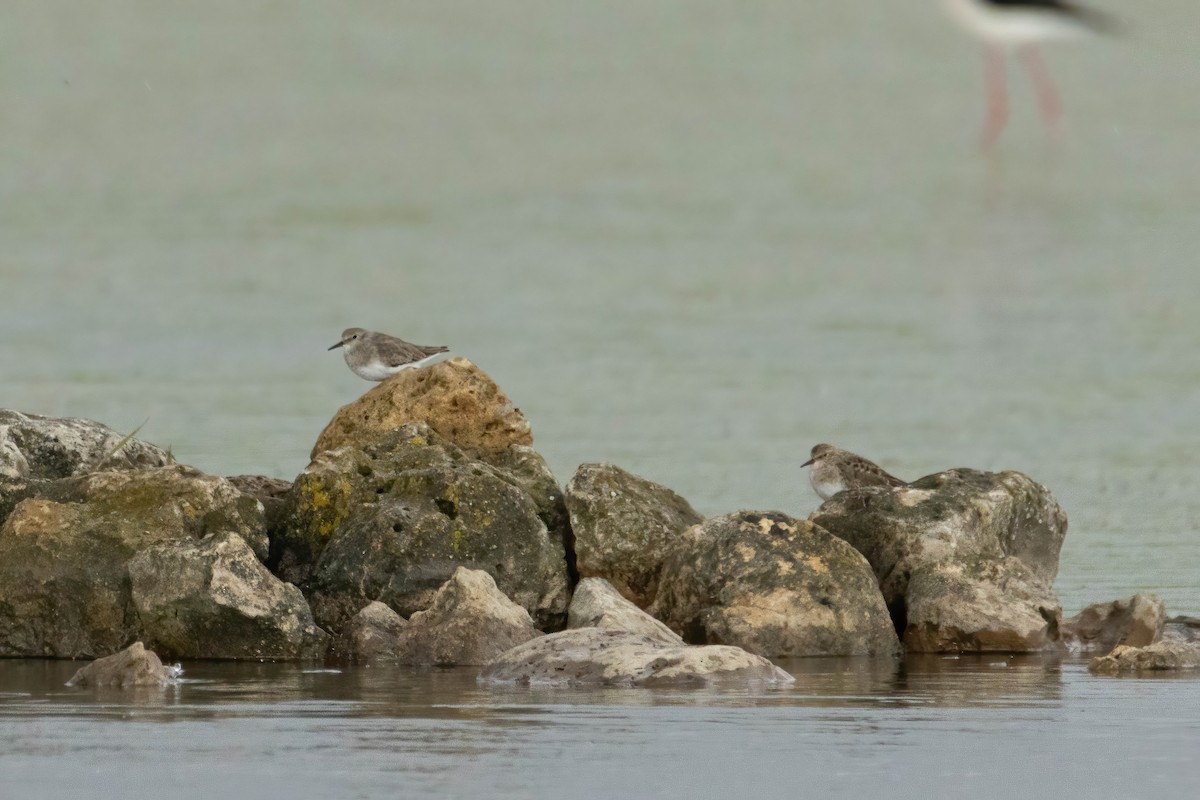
(65, 580)
(774, 585)
(214, 599)
(469, 623)
(597, 604)
(455, 398)
(965, 559)
(1136, 621)
(622, 525)
(392, 521)
(47, 448)
(133, 666)
(271, 492)
(1163, 656)
(599, 657)
(371, 635)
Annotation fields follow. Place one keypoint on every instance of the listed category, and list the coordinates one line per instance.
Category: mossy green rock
(775, 586)
(65, 585)
(622, 525)
(965, 559)
(392, 521)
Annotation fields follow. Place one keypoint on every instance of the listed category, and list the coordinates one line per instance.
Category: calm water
(693, 238)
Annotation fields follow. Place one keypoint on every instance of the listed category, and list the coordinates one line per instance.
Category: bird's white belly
(826, 489)
(378, 371)
(1013, 26)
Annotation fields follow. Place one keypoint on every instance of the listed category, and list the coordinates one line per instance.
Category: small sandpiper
(1022, 25)
(835, 470)
(377, 356)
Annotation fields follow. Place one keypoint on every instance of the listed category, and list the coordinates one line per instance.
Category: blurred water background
(692, 238)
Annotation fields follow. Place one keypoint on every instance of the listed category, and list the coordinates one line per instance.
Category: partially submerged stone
(455, 398)
(774, 585)
(1182, 629)
(469, 623)
(1135, 621)
(622, 526)
(214, 599)
(597, 604)
(965, 559)
(599, 657)
(1161, 657)
(392, 522)
(371, 635)
(133, 666)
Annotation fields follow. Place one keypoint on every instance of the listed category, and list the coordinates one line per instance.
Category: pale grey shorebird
(835, 470)
(377, 356)
(1022, 25)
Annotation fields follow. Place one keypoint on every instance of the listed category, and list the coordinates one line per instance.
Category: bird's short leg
(1049, 100)
(995, 73)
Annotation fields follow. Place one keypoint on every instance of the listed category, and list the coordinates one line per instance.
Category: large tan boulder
(965, 559)
(133, 666)
(455, 398)
(599, 657)
(469, 623)
(774, 585)
(622, 526)
(1136, 621)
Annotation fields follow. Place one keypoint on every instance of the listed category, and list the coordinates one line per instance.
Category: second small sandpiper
(835, 470)
(376, 356)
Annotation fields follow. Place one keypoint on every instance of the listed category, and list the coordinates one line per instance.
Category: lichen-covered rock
(371, 635)
(775, 586)
(64, 556)
(213, 598)
(597, 604)
(391, 522)
(1159, 657)
(133, 666)
(271, 492)
(470, 623)
(47, 448)
(456, 398)
(599, 657)
(1136, 621)
(622, 525)
(1000, 531)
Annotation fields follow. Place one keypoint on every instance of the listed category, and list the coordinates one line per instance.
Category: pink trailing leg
(997, 97)
(1049, 100)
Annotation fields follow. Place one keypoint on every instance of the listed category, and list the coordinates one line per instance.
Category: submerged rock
(1163, 656)
(455, 398)
(598, 657)
(133, 666)
(392, 522)
(1182, 629)
(1136, 621)
(965, 559)
(597, 604)
(469, 623)
(622, 525)
(48, 448)
(775, 586)
(371, 635)
(214, 599)
(65, 583)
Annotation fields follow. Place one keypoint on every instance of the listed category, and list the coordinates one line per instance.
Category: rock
(456, 398)
(1166, 655)
(598, 657)
(1137, 622)
(775, 586)
(597, 604)
(470, 623)
(987, 540)
(526, 467)
(393, 521)
(133, 666)
(47, 448)
(1182, 629)
(371, 635)
(215, 599)
(64, 557)
(271, 492)
(622, 525)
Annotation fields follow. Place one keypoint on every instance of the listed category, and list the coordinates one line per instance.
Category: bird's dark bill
(336, 346)
(807, 463)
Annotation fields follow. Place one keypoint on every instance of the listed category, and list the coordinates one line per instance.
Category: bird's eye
(355, 336)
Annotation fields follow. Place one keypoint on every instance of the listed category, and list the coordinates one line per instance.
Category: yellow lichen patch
(746, 552)
(818, 565)
(913, 497)
(784, 567)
